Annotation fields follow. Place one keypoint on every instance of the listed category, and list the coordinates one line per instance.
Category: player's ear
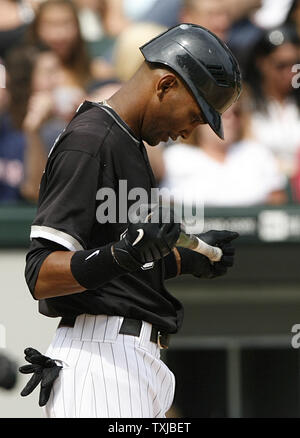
(165, 84)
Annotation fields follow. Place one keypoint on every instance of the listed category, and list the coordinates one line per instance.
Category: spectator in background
(240, 9)
(272, 13)
(101, 21)
(212, 14)
(293, 18)
(91, 27)
(275, 103)
(127, 56)
(14, 19)
(230, 20)
(165, 13)
(244, 32)
(233, 172)
(29, 122)
(136, 10)
(57, 26)
(113, 17)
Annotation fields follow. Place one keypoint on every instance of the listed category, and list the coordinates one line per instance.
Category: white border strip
(55, 236)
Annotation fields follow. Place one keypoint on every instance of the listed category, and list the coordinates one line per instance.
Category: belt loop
(131, 327)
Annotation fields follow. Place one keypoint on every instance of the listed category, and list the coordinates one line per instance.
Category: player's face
(175, 115)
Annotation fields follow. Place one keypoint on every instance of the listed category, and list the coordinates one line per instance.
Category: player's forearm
(67, 272)
(55, 277)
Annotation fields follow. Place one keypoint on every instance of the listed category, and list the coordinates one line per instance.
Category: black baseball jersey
(96, 150)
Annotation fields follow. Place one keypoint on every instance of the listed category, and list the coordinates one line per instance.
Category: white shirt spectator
(272, 13)
(246, 177)
(279, 131)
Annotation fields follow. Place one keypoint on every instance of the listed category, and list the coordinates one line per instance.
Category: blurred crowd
(56, 53)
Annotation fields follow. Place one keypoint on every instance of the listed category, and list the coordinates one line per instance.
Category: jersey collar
(107, 108)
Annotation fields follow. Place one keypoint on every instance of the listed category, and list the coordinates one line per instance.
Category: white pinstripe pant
(106, 374)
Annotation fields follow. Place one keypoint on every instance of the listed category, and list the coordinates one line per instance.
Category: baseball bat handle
(193, 242)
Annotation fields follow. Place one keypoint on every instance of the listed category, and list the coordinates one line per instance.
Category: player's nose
(185, 133)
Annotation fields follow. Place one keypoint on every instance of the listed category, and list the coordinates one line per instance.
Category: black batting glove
(145, 243)
(44, 370)
(199, 265)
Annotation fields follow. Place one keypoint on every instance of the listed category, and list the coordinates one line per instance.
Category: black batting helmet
(204, 63)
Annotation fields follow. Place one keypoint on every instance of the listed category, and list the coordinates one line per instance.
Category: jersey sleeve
(38, 251)
(67, 203)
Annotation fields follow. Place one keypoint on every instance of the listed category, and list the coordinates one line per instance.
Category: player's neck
(128, 105)
(131, 100)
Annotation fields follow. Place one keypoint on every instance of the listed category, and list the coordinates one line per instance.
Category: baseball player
(106, 280)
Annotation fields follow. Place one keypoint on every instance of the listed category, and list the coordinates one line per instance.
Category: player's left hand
(44, 370)
(199, 265)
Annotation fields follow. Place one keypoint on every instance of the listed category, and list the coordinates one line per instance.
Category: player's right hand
(199, 265)
(145, 243)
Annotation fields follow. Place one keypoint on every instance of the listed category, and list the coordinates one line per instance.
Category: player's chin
(152, 141)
